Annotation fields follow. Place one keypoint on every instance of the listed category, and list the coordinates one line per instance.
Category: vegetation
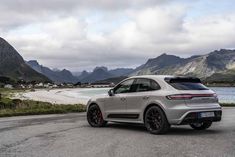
(226, 78)
(227, 104)
(16, 107)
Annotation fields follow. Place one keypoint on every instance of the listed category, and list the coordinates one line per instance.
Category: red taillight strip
(189, 96)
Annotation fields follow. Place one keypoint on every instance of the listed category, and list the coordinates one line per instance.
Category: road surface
(69, 135)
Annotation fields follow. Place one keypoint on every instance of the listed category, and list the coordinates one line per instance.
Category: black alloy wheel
(95, 117)
(156, 121)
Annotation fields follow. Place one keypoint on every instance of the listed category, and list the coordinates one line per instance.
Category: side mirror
(111, 92)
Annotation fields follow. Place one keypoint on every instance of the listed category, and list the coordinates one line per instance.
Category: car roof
(152, 76)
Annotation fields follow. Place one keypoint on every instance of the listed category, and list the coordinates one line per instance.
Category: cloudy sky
(82, 34)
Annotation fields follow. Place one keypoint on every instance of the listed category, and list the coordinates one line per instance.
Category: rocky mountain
(12, 65)
(121, 71)
(223, 77)
(102, 73)
(114, 80)
(77, 73)
(83, 75)
(99, 73)
(201, 66)
(58, 76)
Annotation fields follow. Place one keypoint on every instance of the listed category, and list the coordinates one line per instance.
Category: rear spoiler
(182, 79)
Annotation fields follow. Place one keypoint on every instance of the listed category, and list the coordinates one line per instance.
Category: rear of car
(198, 103)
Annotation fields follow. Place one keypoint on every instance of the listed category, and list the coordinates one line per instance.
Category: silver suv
(158, 102)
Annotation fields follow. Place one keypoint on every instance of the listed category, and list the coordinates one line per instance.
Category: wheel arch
(153, 104)
(91, 103)
(99, 104)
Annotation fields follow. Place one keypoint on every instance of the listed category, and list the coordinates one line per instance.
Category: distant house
(39, 85)
(54, 86)
(8, 86)
(21, 86)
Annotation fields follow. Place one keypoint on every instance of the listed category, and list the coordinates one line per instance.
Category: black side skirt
(124, 116)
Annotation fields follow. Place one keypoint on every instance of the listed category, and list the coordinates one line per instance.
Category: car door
(143, 90)
(115, 106)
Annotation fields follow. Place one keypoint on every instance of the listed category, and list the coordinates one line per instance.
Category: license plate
(207, 114)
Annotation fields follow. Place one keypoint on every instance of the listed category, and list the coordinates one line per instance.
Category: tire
(201, 126)
(95, 117)
(156, 121)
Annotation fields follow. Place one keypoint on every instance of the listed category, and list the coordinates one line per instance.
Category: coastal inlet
(82, 95)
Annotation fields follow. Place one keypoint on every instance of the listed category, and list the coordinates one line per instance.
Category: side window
(155, 85)
(144, 85)
(124, 87)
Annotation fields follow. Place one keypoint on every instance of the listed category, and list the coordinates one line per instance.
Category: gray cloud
(80, 35)
(15, 13)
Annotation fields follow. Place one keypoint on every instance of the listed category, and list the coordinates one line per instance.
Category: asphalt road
(69, 135)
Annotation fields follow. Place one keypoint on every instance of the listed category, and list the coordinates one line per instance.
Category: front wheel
(95, 117)
(156, 121)
(201, 126)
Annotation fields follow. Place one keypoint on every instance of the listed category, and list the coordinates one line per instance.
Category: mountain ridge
(58, 76)
(102, 73)
(201, 66)
(12, 65)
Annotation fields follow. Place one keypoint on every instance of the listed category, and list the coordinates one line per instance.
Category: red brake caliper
(100, 116)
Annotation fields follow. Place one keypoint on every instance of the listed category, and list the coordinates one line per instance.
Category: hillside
(223, 77)
(12, 65)
(121, 71)
(99, 73)
(58, 76)
(202, 66)
(114, 80)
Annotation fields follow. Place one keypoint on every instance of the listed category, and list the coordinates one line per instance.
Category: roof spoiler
(182, 79)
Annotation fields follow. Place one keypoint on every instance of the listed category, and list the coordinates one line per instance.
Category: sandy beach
(62, 96)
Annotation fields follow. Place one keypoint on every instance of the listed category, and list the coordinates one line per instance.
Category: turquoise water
(225, 94)
(94, 91)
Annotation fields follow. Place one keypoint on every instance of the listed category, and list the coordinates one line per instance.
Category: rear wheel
(201, 126)
(95, 117)
(156, 121)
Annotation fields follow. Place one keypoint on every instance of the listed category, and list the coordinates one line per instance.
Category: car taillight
(189, 96)
(215, 96)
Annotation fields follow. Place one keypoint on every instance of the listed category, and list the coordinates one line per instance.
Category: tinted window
(143, 85)
(186, 83)
(124, 87)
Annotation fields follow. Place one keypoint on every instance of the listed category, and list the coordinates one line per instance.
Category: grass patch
(227, 104)
(16, 107)
(4, 92)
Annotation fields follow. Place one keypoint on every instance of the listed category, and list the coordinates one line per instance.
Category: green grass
(9, 92)
(227, 104)
(16, 107)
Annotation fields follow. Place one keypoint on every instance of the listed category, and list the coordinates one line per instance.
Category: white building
(8, 86)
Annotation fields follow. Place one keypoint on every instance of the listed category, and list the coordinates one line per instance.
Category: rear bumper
(186, 115)
(194, 117)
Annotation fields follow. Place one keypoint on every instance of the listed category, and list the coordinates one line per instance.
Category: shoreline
(82, 95)
(53, 101)
(58, 96)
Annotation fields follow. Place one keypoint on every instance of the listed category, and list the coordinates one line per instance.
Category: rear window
(183, 83)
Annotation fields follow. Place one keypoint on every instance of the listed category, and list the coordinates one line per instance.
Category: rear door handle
(145, 97)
